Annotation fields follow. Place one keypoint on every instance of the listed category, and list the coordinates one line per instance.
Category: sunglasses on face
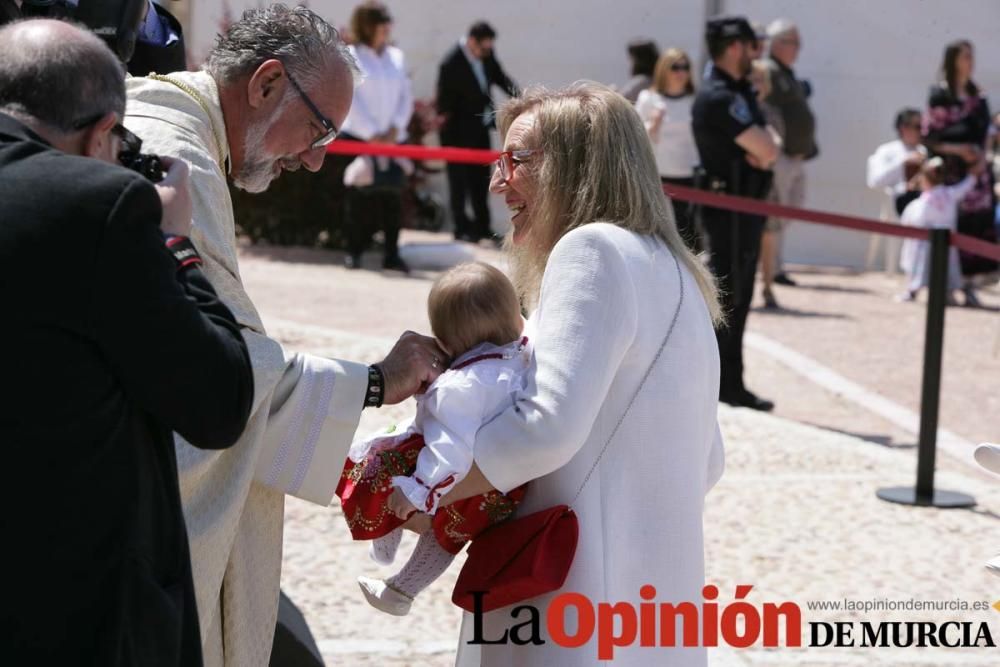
(680, 67)
(508, 160)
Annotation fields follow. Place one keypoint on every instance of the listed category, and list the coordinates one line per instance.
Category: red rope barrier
(448, 153)
(976, 246)
(747, 205)
(713, 199)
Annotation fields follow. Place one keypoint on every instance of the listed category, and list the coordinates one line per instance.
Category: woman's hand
(473, 484)
(971, 153)
(419, 523)
(400, 505)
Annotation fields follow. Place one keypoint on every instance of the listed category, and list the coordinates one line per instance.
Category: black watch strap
(183, 251)
(376, 387)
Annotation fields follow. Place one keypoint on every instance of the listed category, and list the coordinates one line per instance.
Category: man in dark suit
(112, 339)
(466, 76)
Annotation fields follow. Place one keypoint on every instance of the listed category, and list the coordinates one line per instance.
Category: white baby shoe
(384, 597)
(988, 456)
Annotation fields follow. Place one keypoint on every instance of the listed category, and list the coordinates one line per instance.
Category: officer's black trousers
(734, 267)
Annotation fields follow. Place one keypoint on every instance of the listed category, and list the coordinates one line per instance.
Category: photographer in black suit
(158, 41)
(466, 76)
(112, 339)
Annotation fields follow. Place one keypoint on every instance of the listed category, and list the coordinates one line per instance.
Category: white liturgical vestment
(305, 408)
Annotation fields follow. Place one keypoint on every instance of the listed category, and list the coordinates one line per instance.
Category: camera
(149, 166)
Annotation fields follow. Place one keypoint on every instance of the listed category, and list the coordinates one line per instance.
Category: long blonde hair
(596, 166)
(662, 71)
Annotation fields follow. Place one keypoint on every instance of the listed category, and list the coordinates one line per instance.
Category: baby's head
(931, 173)
(471, 304)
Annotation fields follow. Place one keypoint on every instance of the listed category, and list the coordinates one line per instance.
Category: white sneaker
(988, 455)
(385, 598)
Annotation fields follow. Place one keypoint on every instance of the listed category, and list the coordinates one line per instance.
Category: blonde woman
(598, 263)
(665, 110)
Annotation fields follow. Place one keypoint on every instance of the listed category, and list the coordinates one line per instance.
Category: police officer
(737, 151)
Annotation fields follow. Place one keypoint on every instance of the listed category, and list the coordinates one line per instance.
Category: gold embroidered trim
(203, 104)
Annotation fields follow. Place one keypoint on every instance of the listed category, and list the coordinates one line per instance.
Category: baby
(476, 318)
(935, 208)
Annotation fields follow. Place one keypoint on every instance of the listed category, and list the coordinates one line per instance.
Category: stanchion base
(907, 495)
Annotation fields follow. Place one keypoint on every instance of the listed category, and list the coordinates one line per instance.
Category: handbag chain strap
(649, 371)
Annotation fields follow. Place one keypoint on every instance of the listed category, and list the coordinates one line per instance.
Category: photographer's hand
(175, 195)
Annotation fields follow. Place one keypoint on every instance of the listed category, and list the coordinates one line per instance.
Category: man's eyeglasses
(131, 144)
(508, 160)
(330, 130)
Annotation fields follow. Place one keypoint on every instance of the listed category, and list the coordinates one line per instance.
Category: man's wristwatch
(376, 387)
(182, 249)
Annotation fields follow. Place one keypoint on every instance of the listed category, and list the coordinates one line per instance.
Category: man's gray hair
(298, 37)
(779, 27)
(56, 81)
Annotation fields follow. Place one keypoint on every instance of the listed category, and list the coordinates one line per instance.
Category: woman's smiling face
(520, 187)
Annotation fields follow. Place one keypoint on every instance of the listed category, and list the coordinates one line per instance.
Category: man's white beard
(257, 171)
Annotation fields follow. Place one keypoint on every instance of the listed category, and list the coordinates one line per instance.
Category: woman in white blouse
(665, 110)
(380, 113)
(597, 260)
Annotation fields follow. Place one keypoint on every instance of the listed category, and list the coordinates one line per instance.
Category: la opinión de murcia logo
(739, 624)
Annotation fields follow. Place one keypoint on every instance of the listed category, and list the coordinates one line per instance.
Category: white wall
(865, 59)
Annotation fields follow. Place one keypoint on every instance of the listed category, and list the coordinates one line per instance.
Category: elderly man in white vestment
(272, 94)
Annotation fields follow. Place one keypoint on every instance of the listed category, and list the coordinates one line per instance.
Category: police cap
(729, 27)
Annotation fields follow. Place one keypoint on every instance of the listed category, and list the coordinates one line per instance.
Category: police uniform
(723, 109)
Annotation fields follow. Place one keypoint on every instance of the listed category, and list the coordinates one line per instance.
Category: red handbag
(529, 556)
(518, 560)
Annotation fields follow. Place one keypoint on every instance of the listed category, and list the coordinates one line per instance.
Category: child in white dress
(476, 318)
(935, 208)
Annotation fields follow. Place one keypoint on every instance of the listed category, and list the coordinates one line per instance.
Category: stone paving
(795, 515)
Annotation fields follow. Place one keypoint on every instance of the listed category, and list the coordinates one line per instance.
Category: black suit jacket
(463, 101)
(145, 59)
(161, 59)
(107, 348)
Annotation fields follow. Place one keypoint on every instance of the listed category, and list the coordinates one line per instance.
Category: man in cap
(737, 151)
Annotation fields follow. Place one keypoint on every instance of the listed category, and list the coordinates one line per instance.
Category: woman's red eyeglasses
(508, 160)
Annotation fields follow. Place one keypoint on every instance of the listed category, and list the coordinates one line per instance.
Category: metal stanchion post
(924, 493)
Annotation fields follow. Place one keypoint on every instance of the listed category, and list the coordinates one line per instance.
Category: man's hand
(400, 505)
(915, 158)
(414, 362)
(175, 197)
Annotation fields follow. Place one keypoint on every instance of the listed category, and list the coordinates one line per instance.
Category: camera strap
(183, 251)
